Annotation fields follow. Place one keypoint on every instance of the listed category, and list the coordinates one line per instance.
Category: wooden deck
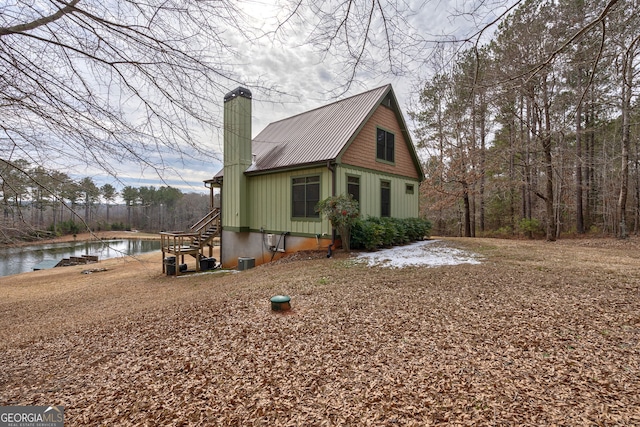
(179, 244)
(191, 242)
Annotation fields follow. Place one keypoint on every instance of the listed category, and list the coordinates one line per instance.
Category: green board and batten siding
(402, 205)
(272, 194)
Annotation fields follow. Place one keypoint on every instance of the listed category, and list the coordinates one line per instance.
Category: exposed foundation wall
(253, 245)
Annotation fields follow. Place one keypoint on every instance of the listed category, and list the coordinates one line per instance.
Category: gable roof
(322, 134)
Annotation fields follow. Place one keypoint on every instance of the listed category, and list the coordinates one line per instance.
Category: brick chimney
(237, 158)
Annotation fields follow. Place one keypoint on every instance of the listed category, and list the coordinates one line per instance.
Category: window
(353, 187)
(385, 146)
(305, 195)
(385, 199)
(409, 189)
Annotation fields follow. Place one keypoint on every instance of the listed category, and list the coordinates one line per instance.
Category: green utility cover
(280, 298)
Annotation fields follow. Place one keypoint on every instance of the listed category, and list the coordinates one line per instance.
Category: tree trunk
(512, 179)
(548, 159)
(624, 177)
(627, 86)
(467, 210)
(636, 220)
(589, 172)
(579, 156)
(483, 146)
(528, 179)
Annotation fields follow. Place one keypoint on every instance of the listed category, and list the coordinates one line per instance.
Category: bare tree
(627, 77)
(98, 83)
(95, 84)
(89, 82)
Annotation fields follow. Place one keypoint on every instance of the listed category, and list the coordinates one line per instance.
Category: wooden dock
(65, 262)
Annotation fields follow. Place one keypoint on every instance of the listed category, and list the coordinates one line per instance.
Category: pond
(23, 259)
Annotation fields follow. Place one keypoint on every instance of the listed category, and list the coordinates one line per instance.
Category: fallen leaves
(501, 343)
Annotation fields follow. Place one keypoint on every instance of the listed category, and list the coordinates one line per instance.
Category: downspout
(333, 193)
(220, 180)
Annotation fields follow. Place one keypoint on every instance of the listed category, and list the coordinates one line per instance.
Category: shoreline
(87, 237)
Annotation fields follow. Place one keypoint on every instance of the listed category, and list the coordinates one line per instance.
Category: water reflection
(23, 259)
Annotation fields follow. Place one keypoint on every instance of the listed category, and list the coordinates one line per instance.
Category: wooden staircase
(207, 229)
(200, 236)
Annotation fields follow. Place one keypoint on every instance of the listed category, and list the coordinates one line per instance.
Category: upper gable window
(385, 146)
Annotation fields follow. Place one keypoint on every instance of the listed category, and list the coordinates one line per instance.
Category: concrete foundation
(254, 245)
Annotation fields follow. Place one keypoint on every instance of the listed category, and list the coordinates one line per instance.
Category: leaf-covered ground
(537, 334)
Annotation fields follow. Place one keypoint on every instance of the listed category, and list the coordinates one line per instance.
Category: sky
(302, 77)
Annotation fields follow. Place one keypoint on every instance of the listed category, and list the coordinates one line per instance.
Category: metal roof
(315, 136)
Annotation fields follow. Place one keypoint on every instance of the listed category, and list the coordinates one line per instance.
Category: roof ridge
(331, 103)
(314, 135)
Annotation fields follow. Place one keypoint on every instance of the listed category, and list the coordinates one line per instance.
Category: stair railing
(209, 220)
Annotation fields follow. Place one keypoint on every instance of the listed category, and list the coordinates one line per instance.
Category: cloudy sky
(295, 69)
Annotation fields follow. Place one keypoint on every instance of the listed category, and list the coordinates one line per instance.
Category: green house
(271, 184)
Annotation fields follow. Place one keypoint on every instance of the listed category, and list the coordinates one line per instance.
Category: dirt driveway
(535, 334)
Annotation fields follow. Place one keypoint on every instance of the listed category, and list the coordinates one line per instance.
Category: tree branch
(45, 20)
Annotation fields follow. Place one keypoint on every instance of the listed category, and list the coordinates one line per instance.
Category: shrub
(67, 227)
(373, 232)
(402, 232)
(529, 226)
(366, 235)
(388, 235)
(117, 226)
(417, 228)
(343, 212)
